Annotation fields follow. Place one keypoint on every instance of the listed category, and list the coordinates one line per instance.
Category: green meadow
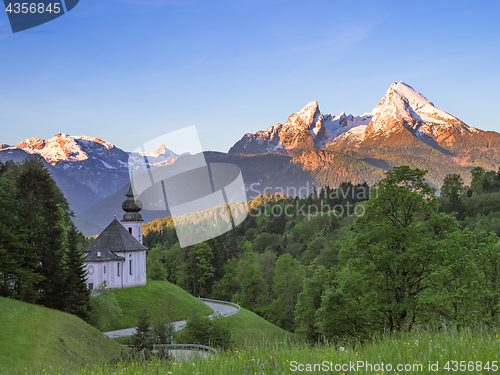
(446, 350)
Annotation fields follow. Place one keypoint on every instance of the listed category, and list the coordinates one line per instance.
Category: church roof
(115, 238)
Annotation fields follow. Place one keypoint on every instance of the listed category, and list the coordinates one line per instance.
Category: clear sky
(128, 71)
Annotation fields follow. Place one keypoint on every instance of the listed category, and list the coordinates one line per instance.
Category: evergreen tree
(47, 215)
(453, 187)
(141, 339)
(76, 293)
(12, 242)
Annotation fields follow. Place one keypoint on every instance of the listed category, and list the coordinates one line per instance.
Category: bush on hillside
(203, 330)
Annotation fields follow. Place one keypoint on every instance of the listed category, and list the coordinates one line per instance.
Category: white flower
(341, 349)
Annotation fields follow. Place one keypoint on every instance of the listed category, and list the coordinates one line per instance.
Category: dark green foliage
(195, 269)
(390, 256)
(77, 295)
(309, 301)
(40, 258)
(208, 331)
(141, 340)
(12, 241)
(452, 189)
(288, 278)
(104, 307)
(224, 288)
(391, 270)
(250, 293)
(45, 224)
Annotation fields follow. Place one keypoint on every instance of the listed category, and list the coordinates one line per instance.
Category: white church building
(117, 255)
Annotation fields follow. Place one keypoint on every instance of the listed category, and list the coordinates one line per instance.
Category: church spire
(132, 220)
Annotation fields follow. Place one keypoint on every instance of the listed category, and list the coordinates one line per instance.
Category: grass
(246, 327)
(415, 349)
(162, 296)
(249, 328)
(31, 334)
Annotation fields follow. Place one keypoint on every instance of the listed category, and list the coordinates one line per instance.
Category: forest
(342, 262)
(352, 261)
(40, 247)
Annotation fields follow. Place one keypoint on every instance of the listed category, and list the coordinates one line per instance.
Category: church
(117, 255)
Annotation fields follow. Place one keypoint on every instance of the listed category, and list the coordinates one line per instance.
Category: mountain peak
(161, 154)
(403, 103)
(311, 106)
(160, 150)
(307, 118)
(63, 147)
(405, 91)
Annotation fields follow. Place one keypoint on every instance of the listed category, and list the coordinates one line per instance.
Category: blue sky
(128, 71)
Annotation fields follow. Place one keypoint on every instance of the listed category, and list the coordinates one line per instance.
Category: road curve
(224, 310)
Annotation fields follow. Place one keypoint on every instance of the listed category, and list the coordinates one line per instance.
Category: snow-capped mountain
(63, 147)
(402, 106)
(404, 121)
(90, 161)
(305, 129)
(160, 157)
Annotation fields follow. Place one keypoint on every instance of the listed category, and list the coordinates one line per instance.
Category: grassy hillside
(31, 334)
(250, 328)
(247, 328)
(419, 352)
(156, 297)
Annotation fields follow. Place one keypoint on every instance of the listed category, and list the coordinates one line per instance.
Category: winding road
(219, 307)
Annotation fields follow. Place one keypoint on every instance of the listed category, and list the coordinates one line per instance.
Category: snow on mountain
(342, 125)
(402, 110)
(63, 147)
(405, 122)
(304, 129)
(90, 161)
(159, 156)
(402, 104)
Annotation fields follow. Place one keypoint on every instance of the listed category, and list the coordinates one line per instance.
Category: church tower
(132, 220)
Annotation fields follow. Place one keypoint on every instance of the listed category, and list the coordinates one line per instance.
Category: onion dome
(131, 206)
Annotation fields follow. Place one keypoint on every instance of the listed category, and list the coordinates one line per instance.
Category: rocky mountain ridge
(404, 121)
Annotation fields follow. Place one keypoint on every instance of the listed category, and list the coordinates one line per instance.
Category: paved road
(216, 307)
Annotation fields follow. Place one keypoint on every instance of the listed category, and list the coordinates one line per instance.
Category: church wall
(138, 274)
(97, 276)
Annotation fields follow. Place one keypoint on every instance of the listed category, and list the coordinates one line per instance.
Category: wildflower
(341, 349)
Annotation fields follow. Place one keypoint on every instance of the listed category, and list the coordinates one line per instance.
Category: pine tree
(141, 339)
(77, 295)
(47, 215)
(12, 244)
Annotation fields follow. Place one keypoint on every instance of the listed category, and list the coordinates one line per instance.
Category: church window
(91, 286)
(130, 230)
(118, 268)
(104, 269)
(130, 262)
(91, 270)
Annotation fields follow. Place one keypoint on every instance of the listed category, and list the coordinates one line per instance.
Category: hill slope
(174, 302)
(31, 334)
(247, 328)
